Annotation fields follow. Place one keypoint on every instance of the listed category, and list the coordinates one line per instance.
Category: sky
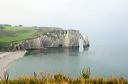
(86, 15)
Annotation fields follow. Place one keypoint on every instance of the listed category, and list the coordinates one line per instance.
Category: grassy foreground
(84, 78)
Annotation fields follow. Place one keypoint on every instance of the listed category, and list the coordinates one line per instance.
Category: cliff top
(10, 33)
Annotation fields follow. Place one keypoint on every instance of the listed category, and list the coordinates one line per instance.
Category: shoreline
(6, 58)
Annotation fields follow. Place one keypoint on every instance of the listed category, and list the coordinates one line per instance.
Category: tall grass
(42, 78)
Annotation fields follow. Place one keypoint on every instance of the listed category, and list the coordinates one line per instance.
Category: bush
(86, 73)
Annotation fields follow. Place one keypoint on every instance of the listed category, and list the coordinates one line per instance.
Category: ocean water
(107, 55)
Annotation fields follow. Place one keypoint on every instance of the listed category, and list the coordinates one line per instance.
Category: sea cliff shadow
(68, 51)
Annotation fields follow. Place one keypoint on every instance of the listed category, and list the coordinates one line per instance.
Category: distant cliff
(55, 39)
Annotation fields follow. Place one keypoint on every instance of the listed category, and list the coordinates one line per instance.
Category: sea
(106, 56)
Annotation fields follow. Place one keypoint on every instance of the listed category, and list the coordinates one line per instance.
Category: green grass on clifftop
(15, 33)
(19, 33)
(9, 34)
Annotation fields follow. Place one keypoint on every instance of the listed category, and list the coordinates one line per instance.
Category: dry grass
(62, 79)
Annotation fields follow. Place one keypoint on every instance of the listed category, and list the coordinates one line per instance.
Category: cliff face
(85, 41)
(60, 38)
(72, 38)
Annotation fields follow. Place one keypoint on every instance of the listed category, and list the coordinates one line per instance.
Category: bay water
(107, 55)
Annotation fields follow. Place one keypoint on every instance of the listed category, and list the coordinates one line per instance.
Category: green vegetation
(42, 78)
(32, 52)
(19, 33)
(9, 33)
(16, 33)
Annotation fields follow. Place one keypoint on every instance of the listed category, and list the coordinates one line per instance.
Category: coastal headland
(16, 40)
(13, 38)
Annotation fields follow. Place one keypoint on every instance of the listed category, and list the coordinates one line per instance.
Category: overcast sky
(80, 14)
